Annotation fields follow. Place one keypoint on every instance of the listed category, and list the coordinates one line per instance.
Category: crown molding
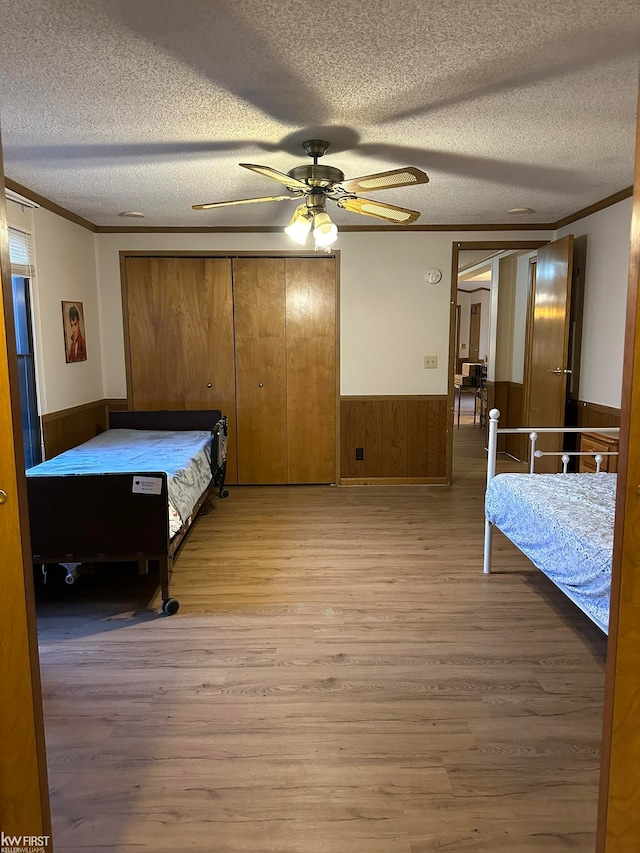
(275, 229)
(594, 208)
(49, 205)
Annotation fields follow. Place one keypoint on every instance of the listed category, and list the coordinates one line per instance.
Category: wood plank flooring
(341, 677)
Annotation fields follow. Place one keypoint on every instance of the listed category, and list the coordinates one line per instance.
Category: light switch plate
(430, 361)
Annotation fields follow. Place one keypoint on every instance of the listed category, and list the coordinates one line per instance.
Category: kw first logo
(23, 843)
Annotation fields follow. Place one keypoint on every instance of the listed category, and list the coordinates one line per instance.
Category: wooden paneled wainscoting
(595, 415)
(70, 427)
(509, 398)
(401, 439)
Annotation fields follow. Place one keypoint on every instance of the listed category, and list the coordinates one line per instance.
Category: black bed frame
(91, 518)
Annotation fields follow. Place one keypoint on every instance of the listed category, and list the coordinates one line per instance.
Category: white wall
(606, 281)
(65, 269)
(390, 316)
(504, 330)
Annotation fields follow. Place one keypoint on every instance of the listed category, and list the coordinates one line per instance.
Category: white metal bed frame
(565, 456)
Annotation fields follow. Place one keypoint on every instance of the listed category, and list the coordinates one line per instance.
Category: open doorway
(487, 357)
(473, 310)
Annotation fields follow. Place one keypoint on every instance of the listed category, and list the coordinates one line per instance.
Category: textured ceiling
(149, 105)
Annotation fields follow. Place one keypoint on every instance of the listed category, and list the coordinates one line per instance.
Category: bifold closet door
(261, 387)
(285, 331)
(310, 285)
(179, 337)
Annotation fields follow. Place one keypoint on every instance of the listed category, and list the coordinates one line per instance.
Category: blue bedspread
(564, 524)
(184, 455)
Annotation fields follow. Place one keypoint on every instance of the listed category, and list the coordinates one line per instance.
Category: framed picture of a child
(75, 347)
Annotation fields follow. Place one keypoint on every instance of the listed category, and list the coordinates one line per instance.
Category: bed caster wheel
(170, 606)
(224, 493)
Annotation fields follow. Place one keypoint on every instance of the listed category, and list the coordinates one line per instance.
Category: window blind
(21, 252)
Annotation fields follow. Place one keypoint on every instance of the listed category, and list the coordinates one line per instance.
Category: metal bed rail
(533, 433)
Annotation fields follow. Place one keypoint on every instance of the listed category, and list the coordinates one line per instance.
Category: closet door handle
(208, 384)
(260, 384)
(559, 371)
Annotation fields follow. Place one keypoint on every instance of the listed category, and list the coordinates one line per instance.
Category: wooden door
(311, 370)
(179, 337)
(261, 371)
(474, 332)
(618, 814)
(546, 380)
(24, 797)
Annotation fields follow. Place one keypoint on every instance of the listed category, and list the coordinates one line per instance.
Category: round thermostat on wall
(433, 276)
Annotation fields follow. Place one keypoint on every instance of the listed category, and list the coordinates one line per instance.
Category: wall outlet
(430, 361)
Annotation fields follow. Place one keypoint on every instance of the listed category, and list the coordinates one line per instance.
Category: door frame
(24, 790)
(618, 821)
(209, 253)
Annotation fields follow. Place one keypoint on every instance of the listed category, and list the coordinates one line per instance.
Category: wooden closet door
(179, 337)
(261, 393)
(311, 369)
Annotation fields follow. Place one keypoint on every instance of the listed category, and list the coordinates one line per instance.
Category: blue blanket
(564, 524)
(183, 454)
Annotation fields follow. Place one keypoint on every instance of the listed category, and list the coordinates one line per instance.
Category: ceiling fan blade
(385, 180)
(268, 172)
(243, 201)
(399, 215)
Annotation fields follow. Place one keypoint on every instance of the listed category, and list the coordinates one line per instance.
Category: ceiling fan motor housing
(316, 175)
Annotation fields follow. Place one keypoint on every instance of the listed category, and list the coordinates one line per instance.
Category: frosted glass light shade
(324, 231)
(300, 225)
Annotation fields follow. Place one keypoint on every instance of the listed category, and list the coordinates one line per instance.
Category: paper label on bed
(147, 485)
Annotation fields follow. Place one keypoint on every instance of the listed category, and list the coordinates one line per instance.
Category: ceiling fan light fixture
(325, 232)
(300, 225)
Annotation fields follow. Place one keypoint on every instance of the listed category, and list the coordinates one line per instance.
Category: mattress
(185, 456)
(564, 524)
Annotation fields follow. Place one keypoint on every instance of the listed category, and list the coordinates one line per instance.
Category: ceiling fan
(316, 183)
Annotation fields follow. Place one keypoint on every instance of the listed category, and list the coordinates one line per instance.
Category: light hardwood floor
(341, 677)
